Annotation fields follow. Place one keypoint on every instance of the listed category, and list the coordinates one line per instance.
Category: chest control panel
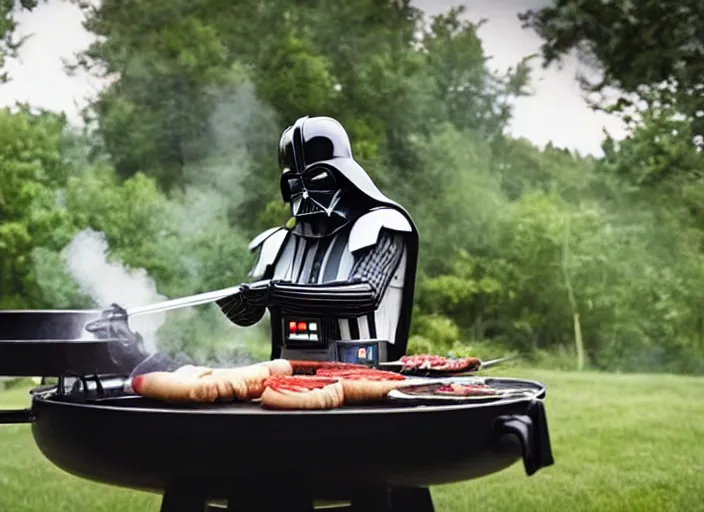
(304, 331)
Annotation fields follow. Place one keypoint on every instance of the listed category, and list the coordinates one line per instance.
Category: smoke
(202, 245)
(239, 130)
(108, 282)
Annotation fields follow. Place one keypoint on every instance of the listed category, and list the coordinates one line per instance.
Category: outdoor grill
(243, 456)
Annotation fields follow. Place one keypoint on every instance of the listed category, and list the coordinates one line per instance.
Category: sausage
(307, 393)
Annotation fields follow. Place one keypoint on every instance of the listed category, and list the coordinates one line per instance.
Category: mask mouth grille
(308, 207)
(312, 203)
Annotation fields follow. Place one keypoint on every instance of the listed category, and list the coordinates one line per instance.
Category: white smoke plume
(108, 282)
(239, 123)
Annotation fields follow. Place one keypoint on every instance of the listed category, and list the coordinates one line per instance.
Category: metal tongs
(116, 318)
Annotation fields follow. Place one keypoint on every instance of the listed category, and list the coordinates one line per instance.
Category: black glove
(257, 295)
(113, 325)
(248, 306)
(128, 351)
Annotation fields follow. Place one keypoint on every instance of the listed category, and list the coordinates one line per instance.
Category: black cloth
(246, 307)
(531, 429)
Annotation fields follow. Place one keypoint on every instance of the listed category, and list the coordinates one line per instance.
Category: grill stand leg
(276, 497)
(183, 498)
(419, 500)
(394, 500)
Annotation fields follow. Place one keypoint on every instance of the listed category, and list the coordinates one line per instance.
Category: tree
(9, 43)
(646, 50)
(30, 210)
(376, 66)
(168, 69)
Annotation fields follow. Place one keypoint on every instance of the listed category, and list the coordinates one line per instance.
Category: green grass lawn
(621, 442)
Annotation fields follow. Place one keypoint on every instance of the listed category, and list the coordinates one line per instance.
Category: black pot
(46, 324)
(52, 343)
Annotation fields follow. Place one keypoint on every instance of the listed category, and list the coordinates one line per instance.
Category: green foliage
(565, 237)
(58, 288)
(172, 68)
(31, 216)
(383, 76)
(434, 333)
(523, 250)
(658, 154)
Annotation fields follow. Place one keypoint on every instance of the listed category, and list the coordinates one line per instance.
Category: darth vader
(339, 283)
(338, 280)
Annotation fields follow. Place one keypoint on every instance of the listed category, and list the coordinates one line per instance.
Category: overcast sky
(555, 113)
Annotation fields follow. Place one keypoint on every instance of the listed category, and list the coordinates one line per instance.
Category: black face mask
(313, 194)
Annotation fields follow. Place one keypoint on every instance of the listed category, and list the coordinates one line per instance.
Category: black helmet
(311, 140)
(312, 189)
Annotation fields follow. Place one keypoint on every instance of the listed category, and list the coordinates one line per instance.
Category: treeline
(571, 261)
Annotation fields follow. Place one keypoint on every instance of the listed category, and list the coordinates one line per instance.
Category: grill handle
(10, 417)
(531, 429)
